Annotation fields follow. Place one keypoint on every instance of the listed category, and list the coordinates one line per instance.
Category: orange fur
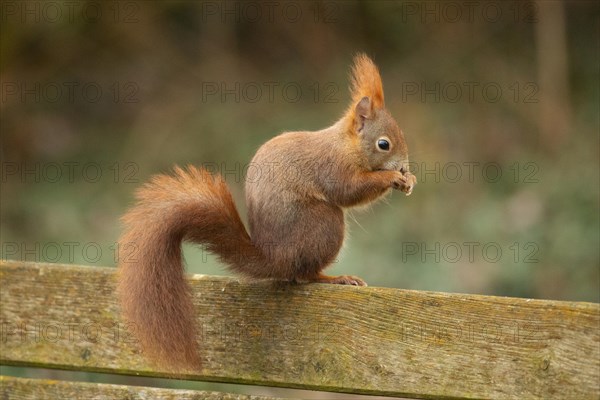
(366, 81)
(191, 205)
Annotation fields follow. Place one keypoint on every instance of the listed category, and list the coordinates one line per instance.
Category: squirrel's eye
(383, 144)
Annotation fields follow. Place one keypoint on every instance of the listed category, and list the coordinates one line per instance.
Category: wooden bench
(322, 337)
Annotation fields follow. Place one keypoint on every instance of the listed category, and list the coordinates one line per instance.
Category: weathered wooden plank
(40, 389)
(326, 337)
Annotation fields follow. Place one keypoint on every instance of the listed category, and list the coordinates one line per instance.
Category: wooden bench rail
(322, 337)
(39, 389)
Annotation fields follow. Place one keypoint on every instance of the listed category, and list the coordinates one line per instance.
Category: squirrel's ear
(364, 108)
(362, 111)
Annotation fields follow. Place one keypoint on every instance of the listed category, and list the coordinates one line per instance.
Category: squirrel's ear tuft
(366, 81)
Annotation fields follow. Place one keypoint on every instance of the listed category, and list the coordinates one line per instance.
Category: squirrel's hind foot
(340, 280)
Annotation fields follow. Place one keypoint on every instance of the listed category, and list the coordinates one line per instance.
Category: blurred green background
(499, 102)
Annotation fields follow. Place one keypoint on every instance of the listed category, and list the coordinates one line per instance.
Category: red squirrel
(297, 188)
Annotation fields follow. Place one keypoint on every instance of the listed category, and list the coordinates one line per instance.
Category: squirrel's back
(299, 165)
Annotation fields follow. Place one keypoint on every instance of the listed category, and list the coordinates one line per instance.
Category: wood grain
(42, 389)
(324, 337)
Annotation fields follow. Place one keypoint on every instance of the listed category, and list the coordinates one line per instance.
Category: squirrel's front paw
(410, 182)
(399, 181)
(404, 182)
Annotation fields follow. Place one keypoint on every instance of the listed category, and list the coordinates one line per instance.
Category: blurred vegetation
(96, 100)
(131, 91)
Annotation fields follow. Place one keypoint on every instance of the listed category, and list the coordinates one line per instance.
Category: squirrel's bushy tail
(192, 205)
